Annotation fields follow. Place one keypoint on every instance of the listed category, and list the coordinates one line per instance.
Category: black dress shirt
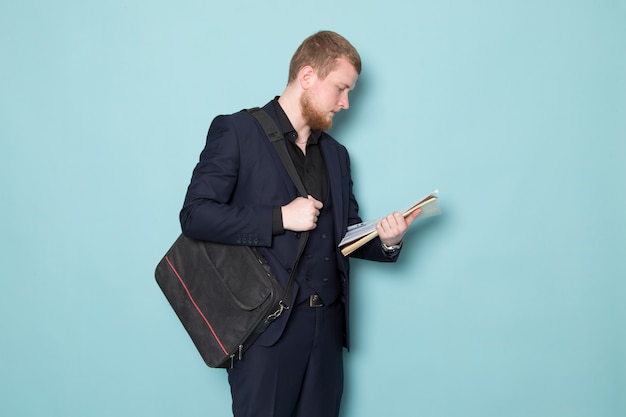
(311, 166)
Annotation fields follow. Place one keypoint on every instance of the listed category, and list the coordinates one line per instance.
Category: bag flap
(240, 269)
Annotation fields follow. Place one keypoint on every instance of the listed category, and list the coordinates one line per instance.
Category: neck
(290, 102)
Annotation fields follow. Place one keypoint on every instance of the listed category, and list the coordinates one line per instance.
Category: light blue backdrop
(510, 304)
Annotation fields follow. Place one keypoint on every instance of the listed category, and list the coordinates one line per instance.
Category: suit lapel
(336, 192)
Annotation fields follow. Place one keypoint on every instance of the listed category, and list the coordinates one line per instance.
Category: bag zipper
(239, 356)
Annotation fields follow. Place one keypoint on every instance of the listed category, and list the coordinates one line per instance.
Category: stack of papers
(361, 233)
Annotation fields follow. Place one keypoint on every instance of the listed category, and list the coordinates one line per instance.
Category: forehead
(344, 73)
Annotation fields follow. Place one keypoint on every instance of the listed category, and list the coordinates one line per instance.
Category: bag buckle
(276, 314)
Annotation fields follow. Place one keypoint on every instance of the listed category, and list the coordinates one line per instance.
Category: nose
(344, 102)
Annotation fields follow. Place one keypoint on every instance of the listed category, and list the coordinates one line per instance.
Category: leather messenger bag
(225, 295)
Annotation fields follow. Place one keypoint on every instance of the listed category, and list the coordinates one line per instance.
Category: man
(241, 194)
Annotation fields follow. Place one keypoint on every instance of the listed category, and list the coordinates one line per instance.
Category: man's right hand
(301, 214)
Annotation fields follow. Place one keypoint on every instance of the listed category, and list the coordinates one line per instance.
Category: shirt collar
(287, 128)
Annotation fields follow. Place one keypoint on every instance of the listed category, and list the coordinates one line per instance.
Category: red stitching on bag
(196, 305)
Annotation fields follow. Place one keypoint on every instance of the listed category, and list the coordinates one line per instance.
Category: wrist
(391, 248)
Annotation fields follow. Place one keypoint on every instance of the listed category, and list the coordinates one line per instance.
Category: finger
(388, 224)
(316, 203)
(398, 217)
(380, 228)
(391, 221)
(412, 216)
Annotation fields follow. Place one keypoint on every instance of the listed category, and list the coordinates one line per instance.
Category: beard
(316, 119)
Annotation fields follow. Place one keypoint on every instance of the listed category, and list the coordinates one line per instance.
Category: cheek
(327, 95)
(330, 98)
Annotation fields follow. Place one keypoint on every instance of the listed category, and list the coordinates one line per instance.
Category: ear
(306, 77)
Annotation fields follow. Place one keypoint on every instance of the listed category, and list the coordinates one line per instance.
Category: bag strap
(274, 135)
(276, 138)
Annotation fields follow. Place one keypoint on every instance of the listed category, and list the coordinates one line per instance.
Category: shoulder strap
(276, 137)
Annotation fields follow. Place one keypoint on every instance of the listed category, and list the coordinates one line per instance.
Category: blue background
(512, 303)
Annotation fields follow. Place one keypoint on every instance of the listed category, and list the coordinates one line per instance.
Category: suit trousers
(301, 375)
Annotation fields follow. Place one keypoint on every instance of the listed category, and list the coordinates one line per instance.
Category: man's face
(328, 96)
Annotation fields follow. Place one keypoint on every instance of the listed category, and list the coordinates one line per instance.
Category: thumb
(316, 203)
(412, 216)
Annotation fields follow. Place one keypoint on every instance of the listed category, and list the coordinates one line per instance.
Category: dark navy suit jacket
(238, 181)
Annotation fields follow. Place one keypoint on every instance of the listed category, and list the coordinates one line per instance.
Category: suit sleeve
(212, 209)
